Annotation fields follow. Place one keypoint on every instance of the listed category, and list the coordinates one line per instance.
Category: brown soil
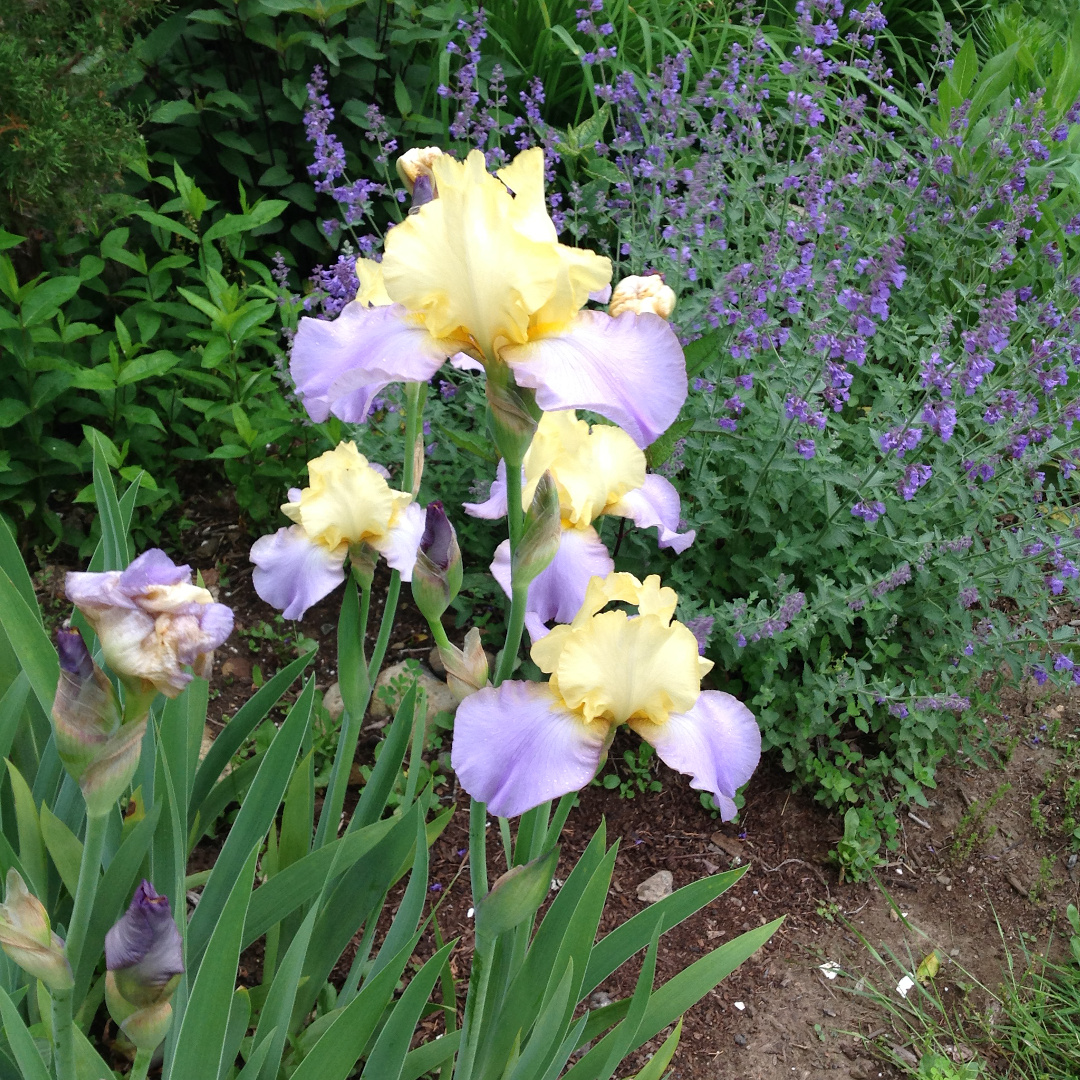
(970, 893)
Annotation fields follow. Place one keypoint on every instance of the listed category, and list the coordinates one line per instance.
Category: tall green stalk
(85, 892)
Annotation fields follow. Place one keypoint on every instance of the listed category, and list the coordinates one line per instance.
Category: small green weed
(635, 773)
(969, 830)
(856, 853)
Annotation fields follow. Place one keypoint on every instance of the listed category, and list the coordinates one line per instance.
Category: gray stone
(332, 701)
(656, 887)
(439, 697)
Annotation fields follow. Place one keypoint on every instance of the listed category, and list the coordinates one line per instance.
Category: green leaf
(335, 1054)
(46, 299)
(12, 564)
(296, 884)
(468, 441)
(401, 97)
(12, 410)
(232, 737)
(64, 847)
(31, 846)
(21, 1041)
(201, 1039)
(148, 366)
(516, 896)
(239, 1016)
(659, 451)
(965, 67)
(168, 112)
(617, 947)
(276, 1013)
(387, 1058)
(385, 774)
(113, 532)
(253, 822)
(654, 1070)
(548, 1031)
(167, 223)
(412, 905)
(352, 665)
(9, 240)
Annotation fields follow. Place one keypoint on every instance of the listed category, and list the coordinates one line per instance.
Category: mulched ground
(967, 880)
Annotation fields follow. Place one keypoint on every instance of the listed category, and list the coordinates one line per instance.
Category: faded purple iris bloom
(144, 958)
(152, 622)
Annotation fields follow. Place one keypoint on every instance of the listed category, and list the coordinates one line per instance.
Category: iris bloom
(597, 471)
(347, 504)
(144, 958)
(524, 743)
(152, 622)
(479, 273)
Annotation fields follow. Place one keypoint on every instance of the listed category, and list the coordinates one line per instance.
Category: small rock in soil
(238, 667)
(740, 1040)
(727, 845)
(599, 999)
(656, 887)
(439, 697)
(333, 702)
(435, 662)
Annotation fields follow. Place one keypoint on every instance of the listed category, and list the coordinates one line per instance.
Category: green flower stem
(478, 850)
(479, 978)
(514, 629)
(385, 626)
(347, 739)
(142, 1065)
(85, 891)
(438, 632)
(63, 1035)
(513, 502)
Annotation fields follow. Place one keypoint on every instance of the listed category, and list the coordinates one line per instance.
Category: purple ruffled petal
(495, 507)
(153, 567)
(292, 572)
(717, 743)
(557, 592)
(656, 502)
(339, 366)
(517, 746)
(630, 369)
(215, 625)
(402, 541)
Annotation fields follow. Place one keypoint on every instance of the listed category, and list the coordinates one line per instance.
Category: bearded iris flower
(152, 622)
(523, 743)
(478, 274)
(348, 505)
(597, 470)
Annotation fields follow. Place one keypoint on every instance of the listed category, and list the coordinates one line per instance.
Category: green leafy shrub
(63, 141)
(166, 345)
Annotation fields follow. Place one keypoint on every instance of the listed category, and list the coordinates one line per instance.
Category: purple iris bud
(145, 944)
(144, 957)
(75, 658)
(438, 538)
(436, 577)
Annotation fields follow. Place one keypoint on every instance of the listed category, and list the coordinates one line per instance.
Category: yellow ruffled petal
(372, 291)
(593, 468)
(618, 667)
(466, 261)
(347, 500)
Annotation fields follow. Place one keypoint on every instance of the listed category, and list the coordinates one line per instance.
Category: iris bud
(414, 169)
(466, 669)
(436, 577)
(144, 959)
(97, 749)
(26, 936)
(540, 537)
(641, 295)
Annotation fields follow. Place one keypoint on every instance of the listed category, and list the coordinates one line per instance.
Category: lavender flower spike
(152, 622)
(144, 955)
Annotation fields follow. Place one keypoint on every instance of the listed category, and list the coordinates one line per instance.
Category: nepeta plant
(880, 313)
